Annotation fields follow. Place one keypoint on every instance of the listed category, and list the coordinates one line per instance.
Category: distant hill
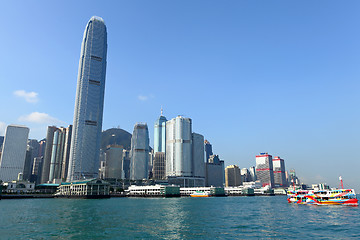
(115, 136)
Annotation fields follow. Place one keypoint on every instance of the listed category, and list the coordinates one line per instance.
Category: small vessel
(200, 194)
(324, 197)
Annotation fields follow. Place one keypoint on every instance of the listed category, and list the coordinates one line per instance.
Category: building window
(99, 59)
(92, 123)
(94, 82)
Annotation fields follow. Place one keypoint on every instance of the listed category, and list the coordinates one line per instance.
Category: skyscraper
(208, 150)
(264, 169)
(160, 134)
(178, 147)
(88, 114)
(232, 176)
(159, 166)
(139, 154)
(48, 152)
(279, 172)
(198, 156)
(13, 152)
(114, 161)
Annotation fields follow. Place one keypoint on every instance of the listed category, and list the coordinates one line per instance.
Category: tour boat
(200, 194)
(324, 197)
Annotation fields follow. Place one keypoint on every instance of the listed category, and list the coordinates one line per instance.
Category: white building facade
(14, 152)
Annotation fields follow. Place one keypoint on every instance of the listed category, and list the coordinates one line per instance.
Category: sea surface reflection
(175, 218)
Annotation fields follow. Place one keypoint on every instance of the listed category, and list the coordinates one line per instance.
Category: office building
(208, 150)
(232, 176)
(264, 169)
(178, 147)
(139, 154)
(252, 174)
(88, 113)
(279, 172)
(160, 134)
(113, 161)
(159, 166)
(48, 152)
(126, 164)
(14, 152)
(66, 152)
(215, 172)
(198, 155)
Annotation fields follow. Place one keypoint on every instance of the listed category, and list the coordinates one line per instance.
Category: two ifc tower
(88, 113)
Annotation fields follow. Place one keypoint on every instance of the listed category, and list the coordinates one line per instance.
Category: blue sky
(255, 76)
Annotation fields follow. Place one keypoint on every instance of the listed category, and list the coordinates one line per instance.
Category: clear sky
(255, 76)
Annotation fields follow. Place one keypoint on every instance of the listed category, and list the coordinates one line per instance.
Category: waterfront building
(14, 152)
(153, 191)
(139, 154)
(252, 172)
(198, 156)
(160, 134)
(113, 161)
(179, 147)
(279, 172)
(232, 176)
(90, 188)
(264, 169)
(19, 186)
(208, 150)
(159, 166)
(215, 172)
(48, 152)
(88, 113)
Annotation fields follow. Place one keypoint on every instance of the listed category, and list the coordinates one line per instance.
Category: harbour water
(175, 218)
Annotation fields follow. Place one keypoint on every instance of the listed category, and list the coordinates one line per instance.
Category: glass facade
(160, 135)
(14, 152)
(139, 154)
(88, 114)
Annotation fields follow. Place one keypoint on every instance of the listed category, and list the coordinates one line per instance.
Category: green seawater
(175, 218)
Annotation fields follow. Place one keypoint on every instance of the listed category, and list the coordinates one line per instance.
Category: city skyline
(282, 82)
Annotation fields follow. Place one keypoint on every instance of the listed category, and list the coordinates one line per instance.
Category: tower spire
(161, 110)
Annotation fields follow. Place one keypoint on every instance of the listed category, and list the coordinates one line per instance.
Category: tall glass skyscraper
(88, 114)
(160, 134)
(13, 152)
(179, 147)
(139, 154)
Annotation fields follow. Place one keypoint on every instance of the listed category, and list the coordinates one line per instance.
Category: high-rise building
(245, 175)
(139, 154)
(31, 153)
(178, 147)
(252, 174)
(198, 155)
(48, 152)
(279, 172)
(126, 164)
(13, 152)
(66, 154)
(159, 166)
(264, 169)
(88, 114)
(208, 150)
(160, 134)
(37, 169)
(232, 176)
(113, 161)
(215, 172)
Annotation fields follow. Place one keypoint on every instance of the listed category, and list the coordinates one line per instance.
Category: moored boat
(200, 194)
